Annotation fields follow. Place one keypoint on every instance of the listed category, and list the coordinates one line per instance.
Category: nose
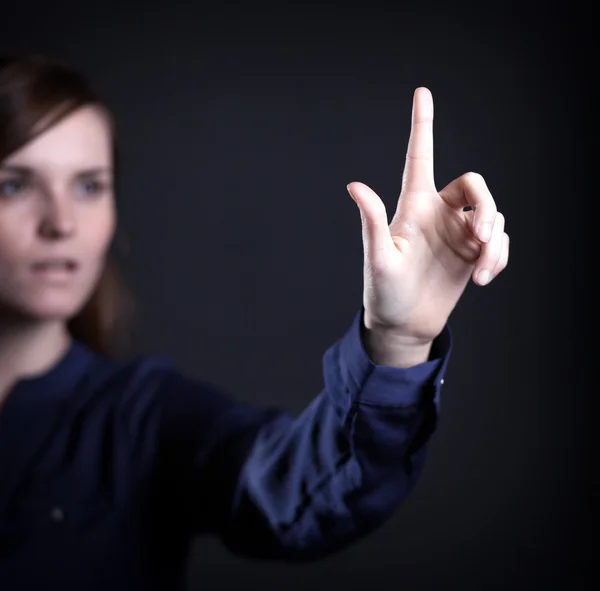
(58, 219)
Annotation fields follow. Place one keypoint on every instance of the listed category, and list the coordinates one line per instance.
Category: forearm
(316, 483)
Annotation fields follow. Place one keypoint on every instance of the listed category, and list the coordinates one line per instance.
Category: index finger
(418, 170)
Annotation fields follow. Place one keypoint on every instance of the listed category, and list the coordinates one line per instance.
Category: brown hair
(35, 93)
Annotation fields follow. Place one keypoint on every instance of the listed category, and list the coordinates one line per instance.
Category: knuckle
(473, 178)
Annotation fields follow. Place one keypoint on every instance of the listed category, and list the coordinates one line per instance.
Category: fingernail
(483, 277)
(485, 231)
(349, 191)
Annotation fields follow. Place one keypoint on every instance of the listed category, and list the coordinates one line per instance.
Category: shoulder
(127, 381)
(148, 386)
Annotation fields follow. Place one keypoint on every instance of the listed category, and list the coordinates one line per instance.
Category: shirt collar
(62, 377)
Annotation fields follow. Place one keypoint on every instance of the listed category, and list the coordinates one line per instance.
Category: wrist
(393, 350)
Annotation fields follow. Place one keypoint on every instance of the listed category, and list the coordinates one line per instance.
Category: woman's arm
(277, 487)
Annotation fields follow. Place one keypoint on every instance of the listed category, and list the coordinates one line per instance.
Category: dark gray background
(241, 125)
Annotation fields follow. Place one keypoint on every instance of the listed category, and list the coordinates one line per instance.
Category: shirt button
(57, 514)
(442, 382)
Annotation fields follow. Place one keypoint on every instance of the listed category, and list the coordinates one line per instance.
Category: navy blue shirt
(109, 469)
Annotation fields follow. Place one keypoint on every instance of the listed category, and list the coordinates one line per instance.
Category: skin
(56, 200)
(417, 267)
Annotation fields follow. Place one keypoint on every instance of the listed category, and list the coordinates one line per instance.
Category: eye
(13, 187)
(92, 187)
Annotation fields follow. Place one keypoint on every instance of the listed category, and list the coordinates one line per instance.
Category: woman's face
(57, 217)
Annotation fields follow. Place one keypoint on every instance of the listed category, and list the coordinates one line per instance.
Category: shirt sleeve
(275, 486)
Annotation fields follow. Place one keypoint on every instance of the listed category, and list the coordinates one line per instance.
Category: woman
(109, 468)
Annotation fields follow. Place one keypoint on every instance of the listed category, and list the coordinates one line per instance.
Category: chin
(62, 308)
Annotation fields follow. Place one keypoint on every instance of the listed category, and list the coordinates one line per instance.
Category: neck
(29, 348)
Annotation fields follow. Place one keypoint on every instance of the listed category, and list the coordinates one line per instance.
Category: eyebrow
(27, 171)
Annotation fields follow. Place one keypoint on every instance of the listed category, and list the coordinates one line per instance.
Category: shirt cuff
(368, 383)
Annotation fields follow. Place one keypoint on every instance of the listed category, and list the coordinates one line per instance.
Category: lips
(67, 264)
(54, 268)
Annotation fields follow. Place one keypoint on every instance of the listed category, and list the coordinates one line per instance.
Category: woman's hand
(417, 266)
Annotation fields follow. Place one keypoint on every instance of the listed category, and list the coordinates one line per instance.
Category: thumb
(377, 240)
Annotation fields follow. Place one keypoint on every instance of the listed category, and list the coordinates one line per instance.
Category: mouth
(55, 268)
